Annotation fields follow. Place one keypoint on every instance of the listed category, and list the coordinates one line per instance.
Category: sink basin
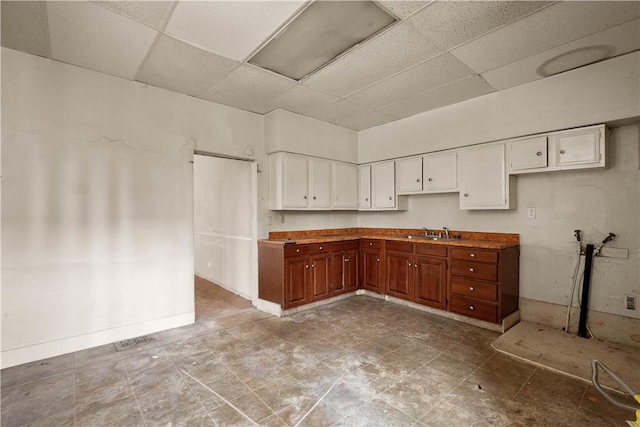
(429, 238)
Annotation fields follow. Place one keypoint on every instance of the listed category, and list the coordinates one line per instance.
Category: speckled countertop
(467, 238)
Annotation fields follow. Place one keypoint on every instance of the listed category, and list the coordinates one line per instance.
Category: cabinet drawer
(392, 245)
(319, 248)
(345, 246)
(474, 308)
(474, 270)
(480, 290)
(371, 243)
(294, 250)
(474, 254)
(433, 250)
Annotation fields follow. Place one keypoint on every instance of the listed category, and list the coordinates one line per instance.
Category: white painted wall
(225, 223)
(599, 93)
(97, 209)
(286, 131)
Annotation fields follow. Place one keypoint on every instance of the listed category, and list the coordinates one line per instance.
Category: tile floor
(359, 361)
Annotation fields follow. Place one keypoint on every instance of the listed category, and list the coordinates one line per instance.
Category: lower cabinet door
(431, 281)
(320, 271)
(351, 270)
(399, 267)
(337, 274)
(296, 291)
(372, 271)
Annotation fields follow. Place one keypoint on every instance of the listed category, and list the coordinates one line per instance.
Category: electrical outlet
(531, 212)
(269, 220)
(630, 302)
(621, 253)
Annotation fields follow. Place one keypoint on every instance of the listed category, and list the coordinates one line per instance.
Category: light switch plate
(531, 212)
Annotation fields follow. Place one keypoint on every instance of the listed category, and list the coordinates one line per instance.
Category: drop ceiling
(436, 54)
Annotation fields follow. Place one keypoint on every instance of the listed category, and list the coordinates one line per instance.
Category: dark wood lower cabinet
(475, 282)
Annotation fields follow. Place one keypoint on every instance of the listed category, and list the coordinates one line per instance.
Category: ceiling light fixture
(575, 58)
(319, 34)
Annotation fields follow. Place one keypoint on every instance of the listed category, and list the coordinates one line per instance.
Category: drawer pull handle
(346, 260)
(471, 288)
(370, 243)
(472, 269)
(471, 308)
(320, 248)
(472, 255)
(297, 250)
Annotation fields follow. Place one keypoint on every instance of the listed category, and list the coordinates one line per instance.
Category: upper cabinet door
(295, 179)
(364, 187)
(483, 181)
(409, 175)
(320, 183)
(578, 147)
(441, 171)
(383, 184)
(528, 154)
(345, 186)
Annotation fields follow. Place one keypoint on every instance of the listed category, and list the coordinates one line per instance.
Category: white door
(225, 223)
(528, 154)
(578, 147)
(440, 171)
(409, 175)
(383, 185)
(364, 187)
(345, 186)
(295, 178)
(320, 184)
(482, 177)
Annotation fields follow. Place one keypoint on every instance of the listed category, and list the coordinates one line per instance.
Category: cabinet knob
(409, 263)
(346, 260)
(418, 180)
(539, 153)
(370, 243)
(320, 248)
(562, 151)
(297, 250)
(471, 308)
(390, 198)
(305, 197)
(430, 179)
(415, 265)
(378, 259)
(366, 200)
(466, 194)
(313, 265)
(306, 266)
(472, 255)
(471, 288)
(472, 269)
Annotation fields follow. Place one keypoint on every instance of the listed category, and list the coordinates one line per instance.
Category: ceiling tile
(366, 121)
(85, 34)
(248, 87)
(460, 90)
(403, 9)
(451, 23)
(621, 39)
(338, 110)
(301, 99)
(396, 49)
(150, 13)
(428, 75)
(229, 28)
(24, 26)
(183, 68)
(553, 26)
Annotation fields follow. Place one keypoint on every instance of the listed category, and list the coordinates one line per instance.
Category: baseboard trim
(49, 349)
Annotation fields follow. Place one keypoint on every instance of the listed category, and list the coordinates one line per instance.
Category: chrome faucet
(446, 232)
(426, 231)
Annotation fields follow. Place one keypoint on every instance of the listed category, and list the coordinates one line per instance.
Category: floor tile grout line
(135, 395)
(220, 397)
(204, 408)
(525, 383)
(322, 397)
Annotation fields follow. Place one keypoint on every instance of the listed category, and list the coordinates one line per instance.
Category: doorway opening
(225, 234)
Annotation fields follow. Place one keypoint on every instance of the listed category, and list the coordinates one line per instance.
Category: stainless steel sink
(429, 238)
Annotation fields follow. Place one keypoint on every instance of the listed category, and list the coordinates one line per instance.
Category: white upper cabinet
(441, 172)
(383, 185)
(409, 175)
(579, 148)
(528, 153)
(364, 187)
(484, 183)
(295, 174)
(319, 183)
(583, 148)
(345, 186)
